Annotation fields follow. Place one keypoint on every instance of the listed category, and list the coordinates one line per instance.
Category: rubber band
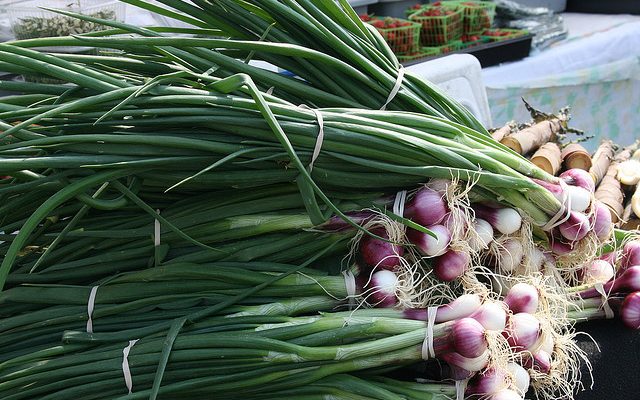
(461, 387)
(398, 204)
(395, 89)
(320, 138)
(156, 231)
(350, 283)
(558, 218)
(608, 312)
(90, 306)
(270, 90)
(428, 351)
(126, 371)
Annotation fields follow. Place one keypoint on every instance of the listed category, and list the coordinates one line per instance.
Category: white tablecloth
(596, 71)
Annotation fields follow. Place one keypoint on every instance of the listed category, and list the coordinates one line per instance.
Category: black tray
(491, 53)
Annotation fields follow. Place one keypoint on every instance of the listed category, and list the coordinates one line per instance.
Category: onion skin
(578, 177)
(427, 207)
(381, 289)
(521, 378)
(466, 364)
(505, 394)
(426, 244)
(468, 338)
(580, 198)
(484, 232)
(542, 361)
(492, 316)
(609, 257)
(522, 332)
(511, 255)
(630, 310)
(504, 220)
(451, 265)
(378, 253)
(630, 255)
(462, 307)
(598, 271)
(576, 227)
(627, 282)
(602, 223)
(560, 247)
(539, 361)
(487, 382)
(522, 298)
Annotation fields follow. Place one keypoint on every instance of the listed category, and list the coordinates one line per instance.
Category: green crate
(495, 35)
(402, 39)
(438, 29)
(477, 15)
(422, 53)
(411, 10)
(444, 49)
(466, 43)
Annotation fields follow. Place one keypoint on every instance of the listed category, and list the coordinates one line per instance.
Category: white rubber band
(350, 283)
(428, 351)
(128, 380)
(461, 386)
(320, 138)
(90, 306)
(608, 312)
(156, 231)
(398, 204)
(558, 218)
(270, 90)
(395, 89)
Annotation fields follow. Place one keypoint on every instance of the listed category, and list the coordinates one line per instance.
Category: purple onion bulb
(598, 271)
(451, 265)
(602, 223)
(381, 289)
(378, 253)
(492, 315)
(468, 338)
(630, 311)
(576, 227)
(505, 220)
(579, 177)
(522, 298)
(630, 254)
(427, 207)
(523, 331)
(428, 245)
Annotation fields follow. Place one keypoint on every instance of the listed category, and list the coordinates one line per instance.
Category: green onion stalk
(341, 60)
(80, 244)
(35, 316)
(239, 140)
(280, 356)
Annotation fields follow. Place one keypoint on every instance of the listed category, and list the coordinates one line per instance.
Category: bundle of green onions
(150, 201)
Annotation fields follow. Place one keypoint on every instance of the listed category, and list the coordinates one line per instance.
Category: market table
(596, 71)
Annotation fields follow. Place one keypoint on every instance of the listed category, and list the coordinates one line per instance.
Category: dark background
(616, 368)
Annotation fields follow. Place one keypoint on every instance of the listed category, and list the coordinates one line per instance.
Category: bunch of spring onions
(152, 197)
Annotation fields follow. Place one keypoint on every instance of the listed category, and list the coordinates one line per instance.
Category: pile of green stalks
(181, 220)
